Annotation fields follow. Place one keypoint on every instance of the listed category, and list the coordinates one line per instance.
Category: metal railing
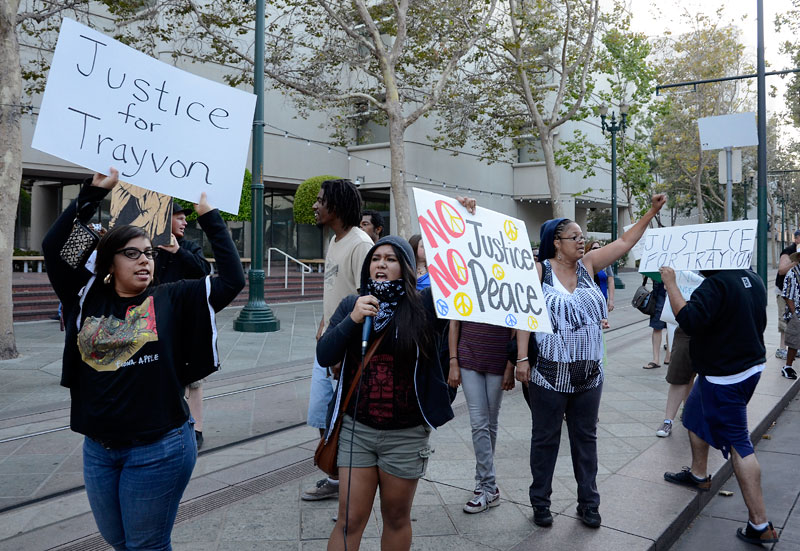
(305, 269)
(28, 263)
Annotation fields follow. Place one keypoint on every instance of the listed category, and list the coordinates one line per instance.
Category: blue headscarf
(547, 233)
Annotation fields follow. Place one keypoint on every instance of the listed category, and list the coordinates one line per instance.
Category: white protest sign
(481, 266)
(687, 282)
(164, 129)
(719, 246)
(636, 251)
(735, 130)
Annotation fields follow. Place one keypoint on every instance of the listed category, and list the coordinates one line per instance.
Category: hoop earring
(107, 279)
(558, 257)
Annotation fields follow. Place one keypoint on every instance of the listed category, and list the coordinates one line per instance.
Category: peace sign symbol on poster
(498, 272)
(511, 230)
(454, 219)
(463, 304)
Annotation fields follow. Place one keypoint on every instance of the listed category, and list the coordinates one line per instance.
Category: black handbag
(81, 242)
(644, 300)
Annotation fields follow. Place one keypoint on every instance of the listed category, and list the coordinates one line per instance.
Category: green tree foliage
(389, 61)
(305, 196)
(245, 203)
(710, 49)
(624, 61)
(530, 76)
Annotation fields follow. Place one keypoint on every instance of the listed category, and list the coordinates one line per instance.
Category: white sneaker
(482, 501)
(665, 430)
(781, 353)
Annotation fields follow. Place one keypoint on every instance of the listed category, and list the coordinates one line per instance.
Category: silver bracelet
(525, 359)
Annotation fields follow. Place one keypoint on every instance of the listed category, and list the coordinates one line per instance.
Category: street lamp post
(256, 316)
(613, 128)
(752, 175)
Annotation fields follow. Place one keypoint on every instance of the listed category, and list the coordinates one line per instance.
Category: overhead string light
(350, 156)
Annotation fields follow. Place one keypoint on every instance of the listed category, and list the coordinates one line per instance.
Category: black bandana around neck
(387, 293)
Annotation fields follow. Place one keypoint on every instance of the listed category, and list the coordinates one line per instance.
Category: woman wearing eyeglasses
(567, 378)
(127, 358)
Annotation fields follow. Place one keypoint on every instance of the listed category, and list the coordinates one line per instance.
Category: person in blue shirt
(423, 277)
(603, 278)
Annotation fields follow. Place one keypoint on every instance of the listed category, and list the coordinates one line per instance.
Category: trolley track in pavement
(227, 382)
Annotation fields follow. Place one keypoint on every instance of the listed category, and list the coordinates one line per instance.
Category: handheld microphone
(365, 333)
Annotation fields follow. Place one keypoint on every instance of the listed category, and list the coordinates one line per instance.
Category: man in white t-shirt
(338, 207)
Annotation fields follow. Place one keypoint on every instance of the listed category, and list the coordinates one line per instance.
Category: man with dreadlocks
(338, 208)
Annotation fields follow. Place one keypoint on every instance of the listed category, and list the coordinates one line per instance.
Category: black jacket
(142, 397)
(726, 318)
(188, 262)
(342, 342)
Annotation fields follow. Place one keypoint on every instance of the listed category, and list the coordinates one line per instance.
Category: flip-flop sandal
(651, 365)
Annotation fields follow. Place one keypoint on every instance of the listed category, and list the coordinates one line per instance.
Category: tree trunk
(397, 151)
(698, 187)
(10, 166)
(553, 180)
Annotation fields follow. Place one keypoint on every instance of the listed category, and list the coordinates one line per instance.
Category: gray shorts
(792, 333)
(781, 310)
(402, 453)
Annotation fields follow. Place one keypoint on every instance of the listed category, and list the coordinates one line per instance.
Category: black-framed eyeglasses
(133, 253)
(575, 238)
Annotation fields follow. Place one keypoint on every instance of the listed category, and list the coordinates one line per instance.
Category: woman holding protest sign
(567, 376)
(126, 363)
(480, 365)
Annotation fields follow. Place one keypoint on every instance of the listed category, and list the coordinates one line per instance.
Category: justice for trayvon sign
(166, 130)
(481, 266)
(718, 246)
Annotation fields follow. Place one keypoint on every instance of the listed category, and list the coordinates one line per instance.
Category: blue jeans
(322, 388)
(484, 394)
(134, 492)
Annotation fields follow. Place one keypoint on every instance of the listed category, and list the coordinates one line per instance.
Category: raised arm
(230, 280)
(65, 280)
(615, 250)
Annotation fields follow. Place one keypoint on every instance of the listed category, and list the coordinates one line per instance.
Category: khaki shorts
(402, 453)
(792, 333)
(680, 370)
(781, 310)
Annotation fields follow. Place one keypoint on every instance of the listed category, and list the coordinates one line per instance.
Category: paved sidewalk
(247, 496)
(779, 456)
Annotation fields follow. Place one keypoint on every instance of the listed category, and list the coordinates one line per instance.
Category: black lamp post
(256, 316)
(613, 128)
(752, 175)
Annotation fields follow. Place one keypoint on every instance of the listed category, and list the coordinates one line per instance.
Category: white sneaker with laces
(665, 430)
(781, 353)
(482, 501)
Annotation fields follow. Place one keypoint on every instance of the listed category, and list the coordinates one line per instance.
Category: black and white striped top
(571, 359)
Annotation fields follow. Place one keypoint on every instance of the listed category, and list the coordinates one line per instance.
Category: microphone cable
(352, 437)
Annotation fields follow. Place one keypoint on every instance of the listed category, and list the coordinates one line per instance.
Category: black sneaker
(757, 537)
(542, 516)
(590, 516)
(686, 478)
(788, 372)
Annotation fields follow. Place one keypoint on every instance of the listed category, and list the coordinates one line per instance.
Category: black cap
(177, 208)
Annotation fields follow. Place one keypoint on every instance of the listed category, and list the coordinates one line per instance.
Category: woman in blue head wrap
(567, 378)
